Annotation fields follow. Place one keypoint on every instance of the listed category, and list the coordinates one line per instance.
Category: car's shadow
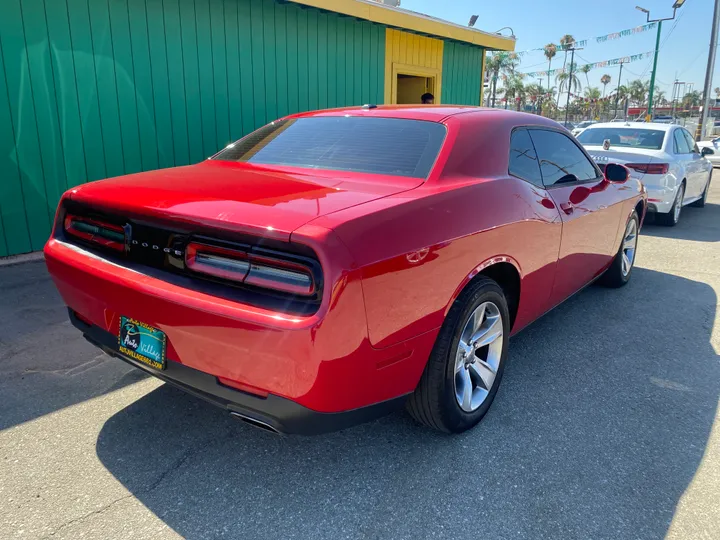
(45, 364)
(598, 428)
(698, 224)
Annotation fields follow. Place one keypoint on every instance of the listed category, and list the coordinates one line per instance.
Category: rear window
(650, 139)
(368, 145)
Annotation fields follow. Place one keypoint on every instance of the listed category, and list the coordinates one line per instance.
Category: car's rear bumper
(272, 412)
(660, 199)
(323, 362)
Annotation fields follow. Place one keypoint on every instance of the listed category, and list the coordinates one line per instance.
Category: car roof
(641, 125)
(432, 113)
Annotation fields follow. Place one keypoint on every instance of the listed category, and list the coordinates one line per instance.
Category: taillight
(249, 268)
(649, 168)
(97, 232)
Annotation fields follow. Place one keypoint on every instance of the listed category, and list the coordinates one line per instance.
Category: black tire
(670, 219)
(700, 203)
(614, 277)
(433, 403)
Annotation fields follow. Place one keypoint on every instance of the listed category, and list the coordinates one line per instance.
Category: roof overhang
(415, 22)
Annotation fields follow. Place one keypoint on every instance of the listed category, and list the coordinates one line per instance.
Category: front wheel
(621, 268)
(466, 365)
(673, 216)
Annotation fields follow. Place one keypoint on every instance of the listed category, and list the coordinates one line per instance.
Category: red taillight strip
(250, 268)
(97, 232)
(649, 168)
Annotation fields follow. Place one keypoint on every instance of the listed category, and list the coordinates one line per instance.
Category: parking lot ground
(606, 426)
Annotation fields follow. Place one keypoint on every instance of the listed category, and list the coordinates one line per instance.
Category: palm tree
(550, 51)
(566, 41)
(494, 65)
(534, 92)
(586, 69)
(512, 61)
(638, 91)
(659, 97)
(605, 80)
(565, 80)
(692, 99)
(592, 93)
(515, 89)
(621, 95)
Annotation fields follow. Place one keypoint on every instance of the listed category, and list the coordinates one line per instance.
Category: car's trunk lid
(238, 196)
(621, 155)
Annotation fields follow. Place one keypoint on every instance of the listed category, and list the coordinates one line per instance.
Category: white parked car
(663, 156)
(714, 145)
(577, 130)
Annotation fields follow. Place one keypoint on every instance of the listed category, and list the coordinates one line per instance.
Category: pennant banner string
(593, 65)
(599, 39)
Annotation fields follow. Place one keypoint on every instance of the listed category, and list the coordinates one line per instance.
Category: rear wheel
(673, 216)
(466, 365)
(700, 203)
(621, 268)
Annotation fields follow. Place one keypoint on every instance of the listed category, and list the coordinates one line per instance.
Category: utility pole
(709, 72)
(676, 5)
(570, 78)
(617, 92)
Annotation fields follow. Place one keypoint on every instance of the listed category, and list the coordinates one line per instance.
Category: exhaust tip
(254, 422)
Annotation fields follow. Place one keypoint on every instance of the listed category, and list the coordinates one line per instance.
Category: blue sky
(683, 54)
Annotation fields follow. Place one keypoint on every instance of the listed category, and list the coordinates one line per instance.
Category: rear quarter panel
(416, 250)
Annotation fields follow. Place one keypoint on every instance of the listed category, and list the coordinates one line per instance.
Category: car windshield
(650, 139)
(388, 146)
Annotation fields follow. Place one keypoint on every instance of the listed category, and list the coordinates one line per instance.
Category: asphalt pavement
(606, 426)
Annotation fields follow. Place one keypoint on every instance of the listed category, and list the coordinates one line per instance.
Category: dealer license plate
(142, 342)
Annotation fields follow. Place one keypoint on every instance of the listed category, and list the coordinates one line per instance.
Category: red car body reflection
(394, 254)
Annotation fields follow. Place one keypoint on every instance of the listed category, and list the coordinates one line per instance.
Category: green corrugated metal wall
(99, 88)
(462, 73)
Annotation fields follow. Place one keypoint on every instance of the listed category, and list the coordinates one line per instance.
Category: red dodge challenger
(334, 265)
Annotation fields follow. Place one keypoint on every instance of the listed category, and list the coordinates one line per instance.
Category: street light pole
(710, 70)
(617, 92)
(654, 71)
(678, 4)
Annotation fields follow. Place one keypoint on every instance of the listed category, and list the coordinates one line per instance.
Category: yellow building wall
(411, 54)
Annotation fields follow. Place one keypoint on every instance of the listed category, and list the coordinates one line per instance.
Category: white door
(684, 155)
(700, 169)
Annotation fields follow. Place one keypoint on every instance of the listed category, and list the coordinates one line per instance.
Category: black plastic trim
(283, 415)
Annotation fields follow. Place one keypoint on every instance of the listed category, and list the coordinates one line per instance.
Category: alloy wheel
(678, 204)
(629, 246)
(478, 356)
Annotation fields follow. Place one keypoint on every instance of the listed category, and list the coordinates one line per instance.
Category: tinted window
(560, 158)
(681, 145)
(652, 139)
(523, 159)
(370, 145)
(690, 141)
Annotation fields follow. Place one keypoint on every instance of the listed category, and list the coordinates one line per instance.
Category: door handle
(567, 207)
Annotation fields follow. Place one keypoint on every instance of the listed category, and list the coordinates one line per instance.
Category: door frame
(415, 71)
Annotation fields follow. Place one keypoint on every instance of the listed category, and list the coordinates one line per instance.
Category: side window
(560, 158)
(681, 145)
(690, 141)
(523, 161)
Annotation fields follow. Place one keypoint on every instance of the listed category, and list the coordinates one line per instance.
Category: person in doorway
(427, 99)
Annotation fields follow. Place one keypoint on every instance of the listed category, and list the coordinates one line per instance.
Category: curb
(12, 260)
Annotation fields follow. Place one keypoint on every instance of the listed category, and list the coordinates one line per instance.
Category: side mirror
(706, 151)
(617, 174)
